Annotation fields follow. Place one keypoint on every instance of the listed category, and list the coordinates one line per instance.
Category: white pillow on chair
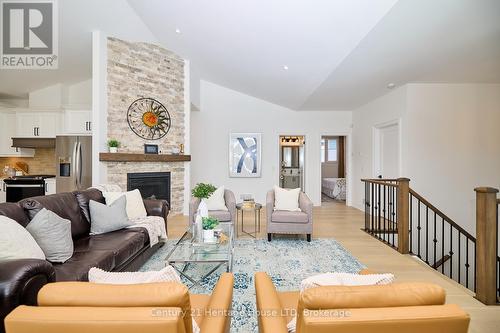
(286, 199)
(216, 200)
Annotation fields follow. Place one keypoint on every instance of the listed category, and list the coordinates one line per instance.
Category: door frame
(376, 161)
(291, 133)
(347, 167)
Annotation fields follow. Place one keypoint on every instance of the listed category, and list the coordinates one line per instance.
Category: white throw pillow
(16, 242)
(286, 199)
(135, 205)
(168, 274)
(216, 200)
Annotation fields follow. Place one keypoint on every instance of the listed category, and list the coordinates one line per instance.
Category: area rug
(288, 261)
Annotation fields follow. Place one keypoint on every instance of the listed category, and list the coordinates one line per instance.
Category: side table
(256, 208)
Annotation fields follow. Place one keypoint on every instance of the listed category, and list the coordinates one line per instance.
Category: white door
(48, 125)
(78, 122)
(387, 151)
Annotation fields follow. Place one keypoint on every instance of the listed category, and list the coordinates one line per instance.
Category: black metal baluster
(459, 250)
(379, 209)
(385, 224)
(435, 242)
(427, 234)
(410, 227)
(467, 263)
(418, 230)
(373, 207)
(442, 245)
(451, 251)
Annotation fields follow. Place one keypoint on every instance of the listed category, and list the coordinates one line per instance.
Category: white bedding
(334, 187)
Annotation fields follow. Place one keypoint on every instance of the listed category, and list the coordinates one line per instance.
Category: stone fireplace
(137, 70)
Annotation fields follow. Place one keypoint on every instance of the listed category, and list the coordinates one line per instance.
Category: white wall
(450, 142)
(78, 95)
(453, 144)
(223, 111)
(48, 97)
(386, 108)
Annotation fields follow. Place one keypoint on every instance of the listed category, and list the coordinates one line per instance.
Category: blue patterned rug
(288, 261)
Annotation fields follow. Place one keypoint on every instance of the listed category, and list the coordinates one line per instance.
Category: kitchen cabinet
(50, 186)
(3, 194)
(37, 124)
(78, 122)
(7, 131)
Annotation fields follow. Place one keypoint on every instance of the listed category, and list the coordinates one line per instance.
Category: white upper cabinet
(78, 122)
(37, 124)
(7, 131)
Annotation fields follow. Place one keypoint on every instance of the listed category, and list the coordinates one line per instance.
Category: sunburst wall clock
(148, 119)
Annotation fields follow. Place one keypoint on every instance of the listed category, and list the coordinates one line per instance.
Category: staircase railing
(403, 219)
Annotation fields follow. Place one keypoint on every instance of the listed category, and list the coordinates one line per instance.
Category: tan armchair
(285, 222)
(394, 308)
(80, 307)
(223, 216)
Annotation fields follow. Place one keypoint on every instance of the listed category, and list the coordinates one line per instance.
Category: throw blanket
(340, 279)
(155, 225)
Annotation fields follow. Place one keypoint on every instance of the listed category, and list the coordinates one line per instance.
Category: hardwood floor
(336, 220)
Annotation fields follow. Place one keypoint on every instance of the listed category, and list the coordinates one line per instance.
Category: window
(329, 150)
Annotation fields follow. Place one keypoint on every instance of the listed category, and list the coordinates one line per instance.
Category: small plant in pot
(209, 223)
(203, 190)
(113, 145)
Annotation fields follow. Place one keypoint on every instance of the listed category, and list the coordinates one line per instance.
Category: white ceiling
(77, 20)
(340, 53)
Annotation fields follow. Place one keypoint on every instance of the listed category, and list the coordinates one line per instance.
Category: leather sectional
(122, 250)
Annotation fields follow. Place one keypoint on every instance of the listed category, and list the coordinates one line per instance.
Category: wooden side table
(256, 208)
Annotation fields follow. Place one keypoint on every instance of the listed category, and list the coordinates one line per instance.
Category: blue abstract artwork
(244, 155)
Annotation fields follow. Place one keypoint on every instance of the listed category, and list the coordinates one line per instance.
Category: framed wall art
(245, 151)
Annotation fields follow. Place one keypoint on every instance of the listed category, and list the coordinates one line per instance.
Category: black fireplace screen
(152, 185)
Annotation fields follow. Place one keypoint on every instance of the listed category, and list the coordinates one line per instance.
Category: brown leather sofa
(147, 308)
(394, 308)
(122, 250)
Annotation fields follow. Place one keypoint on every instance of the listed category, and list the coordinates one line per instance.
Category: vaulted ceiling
(302, 54)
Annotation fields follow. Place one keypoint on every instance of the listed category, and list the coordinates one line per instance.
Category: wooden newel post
(403, 215)
(486, 244)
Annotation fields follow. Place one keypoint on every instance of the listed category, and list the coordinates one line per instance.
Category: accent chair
(165, 307)
(392, 308)
(221, 215)
(287, 222)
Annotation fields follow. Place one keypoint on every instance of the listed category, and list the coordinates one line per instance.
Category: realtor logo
(29, 34)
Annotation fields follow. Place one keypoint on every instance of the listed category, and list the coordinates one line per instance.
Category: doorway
(333, 168)
(292, 161)
(386, 161)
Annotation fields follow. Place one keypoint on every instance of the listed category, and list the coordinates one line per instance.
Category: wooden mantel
(138, 157)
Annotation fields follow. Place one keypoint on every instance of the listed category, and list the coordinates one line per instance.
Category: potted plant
(113, 145)
(209, 223)
(203, 191)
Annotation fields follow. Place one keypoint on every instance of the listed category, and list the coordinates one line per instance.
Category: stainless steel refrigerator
(74, 163)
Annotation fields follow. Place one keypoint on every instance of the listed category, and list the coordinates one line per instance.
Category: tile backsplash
(44, 162)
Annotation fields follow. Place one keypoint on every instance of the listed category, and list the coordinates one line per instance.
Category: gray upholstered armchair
(286, 222)
(223, 216)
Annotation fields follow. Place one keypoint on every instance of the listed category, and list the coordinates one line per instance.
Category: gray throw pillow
(53, 234)
(108, 218)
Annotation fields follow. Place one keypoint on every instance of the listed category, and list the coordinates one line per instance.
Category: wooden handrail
(380, 181)
(442, 215)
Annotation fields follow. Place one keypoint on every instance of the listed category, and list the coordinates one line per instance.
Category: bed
(335, 188)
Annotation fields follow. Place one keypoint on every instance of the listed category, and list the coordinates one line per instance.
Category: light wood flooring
(335, 220)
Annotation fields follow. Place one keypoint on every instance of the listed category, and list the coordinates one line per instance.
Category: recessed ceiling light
(177, 30)
(391, 85)
(285, 67)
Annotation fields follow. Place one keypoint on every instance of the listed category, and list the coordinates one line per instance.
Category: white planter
(113, 149)
(203, 208)
(208, 235)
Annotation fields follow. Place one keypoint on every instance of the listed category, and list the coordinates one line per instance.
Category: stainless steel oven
(22, 187)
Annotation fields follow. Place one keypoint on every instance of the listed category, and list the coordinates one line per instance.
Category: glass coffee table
(188, 253)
